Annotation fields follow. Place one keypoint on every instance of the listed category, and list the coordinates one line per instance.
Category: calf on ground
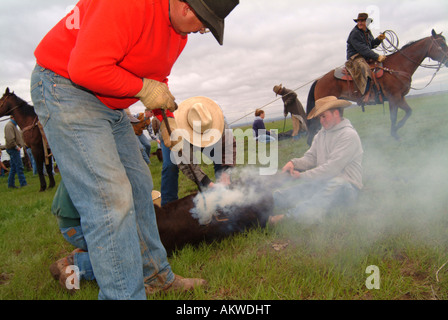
(178, 227)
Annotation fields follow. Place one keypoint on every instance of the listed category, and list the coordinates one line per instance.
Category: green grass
(400, 225)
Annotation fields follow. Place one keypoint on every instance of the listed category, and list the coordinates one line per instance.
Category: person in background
(139, 124)
(32, 161)
(330, 171)
(86, 75)
(258, 124)
(14, 143)
(3, 168)
(292, 105)
(144, 123)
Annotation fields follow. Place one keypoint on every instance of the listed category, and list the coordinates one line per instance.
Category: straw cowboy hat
(202, 121)
(212, 13)
(327, 103)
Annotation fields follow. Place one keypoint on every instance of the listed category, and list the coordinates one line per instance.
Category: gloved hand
(156, 95)
(381, 58)
(382, 36)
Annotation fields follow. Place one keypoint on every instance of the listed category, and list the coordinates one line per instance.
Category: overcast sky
(266, 43)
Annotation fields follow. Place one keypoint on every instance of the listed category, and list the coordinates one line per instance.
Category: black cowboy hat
(212, 13)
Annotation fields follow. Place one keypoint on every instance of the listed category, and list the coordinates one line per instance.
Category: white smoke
(250, 189)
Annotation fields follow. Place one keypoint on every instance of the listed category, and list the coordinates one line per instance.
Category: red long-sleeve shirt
(108, 46)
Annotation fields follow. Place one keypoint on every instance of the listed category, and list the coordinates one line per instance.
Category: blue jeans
(170, 177)
(264, 138)
(16, 167)
(310, 201)
(81, 259)
(146, 145)
(109, 184)
(33, 162)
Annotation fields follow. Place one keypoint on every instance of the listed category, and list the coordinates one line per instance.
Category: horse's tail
(311, 101)
(313, 124)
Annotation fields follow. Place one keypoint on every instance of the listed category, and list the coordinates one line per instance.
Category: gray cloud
(266, 43)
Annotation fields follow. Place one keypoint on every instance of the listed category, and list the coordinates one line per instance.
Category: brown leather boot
(61, 270)
(179, 284)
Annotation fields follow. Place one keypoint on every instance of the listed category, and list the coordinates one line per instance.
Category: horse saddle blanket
(343, 74)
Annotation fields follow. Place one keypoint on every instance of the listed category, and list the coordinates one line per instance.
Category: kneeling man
(331, 170)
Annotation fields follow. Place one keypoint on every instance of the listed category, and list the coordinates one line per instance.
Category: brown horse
(27, 120)
(395, 82)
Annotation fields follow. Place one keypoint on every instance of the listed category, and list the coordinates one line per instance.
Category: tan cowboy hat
(201, 119)
(327, 103)
(277, 89)
(362, 16)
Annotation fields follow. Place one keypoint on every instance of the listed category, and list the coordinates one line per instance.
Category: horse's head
(439, 49)
(5, 103)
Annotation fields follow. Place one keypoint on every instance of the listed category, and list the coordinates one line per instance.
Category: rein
(14, 108)
(437, 66)
(35, 121)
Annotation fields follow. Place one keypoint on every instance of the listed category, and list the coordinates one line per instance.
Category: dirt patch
(4, 278)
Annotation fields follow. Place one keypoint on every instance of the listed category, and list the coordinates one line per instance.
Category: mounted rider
(360, 45)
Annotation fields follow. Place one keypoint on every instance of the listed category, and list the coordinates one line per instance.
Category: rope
(309, 82)
(392, 42)
(392, 47)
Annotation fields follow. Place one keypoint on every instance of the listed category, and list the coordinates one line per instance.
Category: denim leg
(143, 152)
(12, 168)
(16, 168)
(81, 259)
(288, 197)
(108, 181)
(170, 177)
(146, 145)
(329, 194)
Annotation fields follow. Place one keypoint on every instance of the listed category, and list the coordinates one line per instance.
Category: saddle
(374, 94)
(342, 73)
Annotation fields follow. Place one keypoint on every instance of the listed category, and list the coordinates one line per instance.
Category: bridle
(14, 108)
(35, 121)
(437, 67)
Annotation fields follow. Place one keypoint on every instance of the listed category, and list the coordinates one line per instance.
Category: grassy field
(400, 226)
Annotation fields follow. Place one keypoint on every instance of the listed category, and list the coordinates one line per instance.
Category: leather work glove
(382, 36)
(156, 95)
(381, 58)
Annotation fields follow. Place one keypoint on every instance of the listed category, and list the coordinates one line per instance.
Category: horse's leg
(393, 107)
(49, 168)
(40, 172)
(39, 158)
(408, 112)
(393, 120)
